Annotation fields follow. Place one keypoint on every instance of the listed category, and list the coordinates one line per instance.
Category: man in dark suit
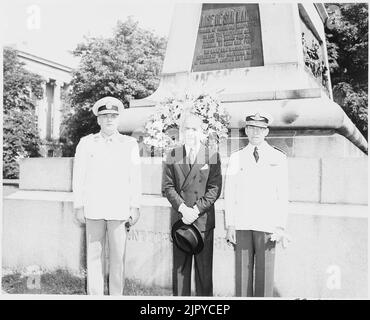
(192, 183)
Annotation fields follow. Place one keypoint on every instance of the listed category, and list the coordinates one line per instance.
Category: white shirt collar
(250, 147)
(112, 137)
(196, 149)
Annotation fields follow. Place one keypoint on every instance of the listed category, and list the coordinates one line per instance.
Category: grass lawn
(63, 282)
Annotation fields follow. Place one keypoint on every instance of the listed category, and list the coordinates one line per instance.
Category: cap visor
(256, 124)
(107, 112)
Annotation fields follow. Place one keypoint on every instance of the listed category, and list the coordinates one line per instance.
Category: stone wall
(326, 180)
(327, 221)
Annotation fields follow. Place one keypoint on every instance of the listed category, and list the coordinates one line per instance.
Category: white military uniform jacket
(107, 176)
(256, 194)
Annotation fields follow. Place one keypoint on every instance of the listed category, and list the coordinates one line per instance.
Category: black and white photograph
(183, 149)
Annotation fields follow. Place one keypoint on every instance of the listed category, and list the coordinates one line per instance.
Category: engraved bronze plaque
(229, 36)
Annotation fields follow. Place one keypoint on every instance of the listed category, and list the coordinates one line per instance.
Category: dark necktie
(255, 154)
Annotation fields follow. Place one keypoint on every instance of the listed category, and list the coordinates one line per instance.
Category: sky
(52, 28)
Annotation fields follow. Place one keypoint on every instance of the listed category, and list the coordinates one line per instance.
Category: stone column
(41, 111)
(56, 112)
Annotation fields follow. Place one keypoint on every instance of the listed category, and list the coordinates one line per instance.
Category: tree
(21, 91)
(348, 60)
(124, 66)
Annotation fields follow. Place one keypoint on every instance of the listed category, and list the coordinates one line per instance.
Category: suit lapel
(185, 168)
(200, 160)
(182, 163)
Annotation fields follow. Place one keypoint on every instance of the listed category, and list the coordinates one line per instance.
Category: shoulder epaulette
(279, 150)
(122, 137)
(235, 151)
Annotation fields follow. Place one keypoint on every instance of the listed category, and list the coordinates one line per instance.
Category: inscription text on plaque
(229, 36)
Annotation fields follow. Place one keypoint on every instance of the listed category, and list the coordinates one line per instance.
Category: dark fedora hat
(187, 237)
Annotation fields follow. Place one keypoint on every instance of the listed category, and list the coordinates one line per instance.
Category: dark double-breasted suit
(195, 185)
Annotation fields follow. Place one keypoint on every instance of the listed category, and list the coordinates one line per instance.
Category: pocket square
(205, 167)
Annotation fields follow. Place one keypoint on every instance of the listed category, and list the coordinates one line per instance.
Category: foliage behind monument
(348, 57)
(21, 91)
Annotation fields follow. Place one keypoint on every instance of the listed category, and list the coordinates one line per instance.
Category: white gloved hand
(134, 215)
(189, 215)
(231, 236)
(186, 221)
(80, 215)
(279, 235)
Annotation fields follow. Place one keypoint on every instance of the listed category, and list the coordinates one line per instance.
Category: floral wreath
(163, 125)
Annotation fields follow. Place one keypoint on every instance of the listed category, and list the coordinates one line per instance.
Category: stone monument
(267, 56)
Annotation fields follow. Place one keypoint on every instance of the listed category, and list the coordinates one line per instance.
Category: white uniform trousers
(95, 240)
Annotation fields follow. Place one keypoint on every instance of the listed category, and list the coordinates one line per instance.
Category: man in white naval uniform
(256, 201)
(107, 191)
